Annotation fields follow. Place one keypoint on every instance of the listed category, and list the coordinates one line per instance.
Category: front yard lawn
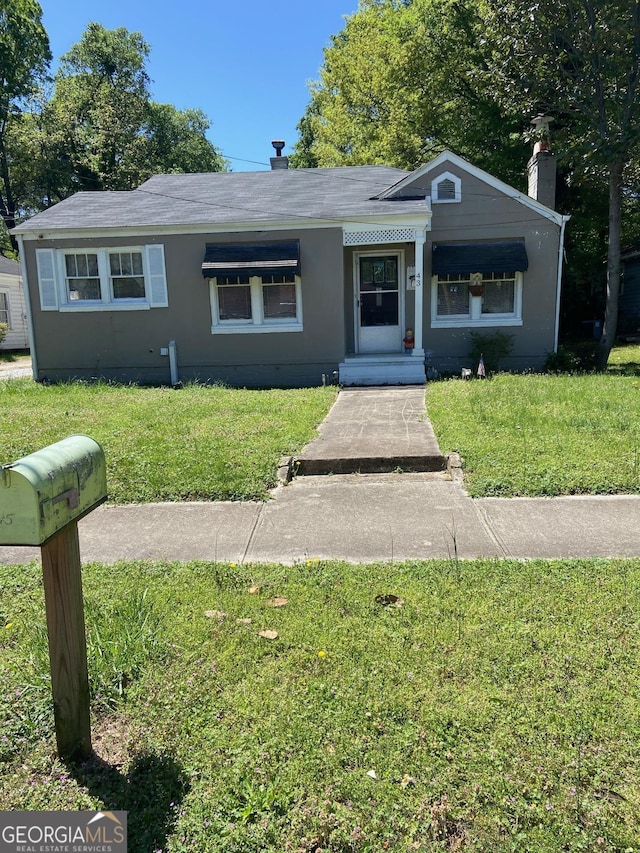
(541, 434)
(195, 443)
(496, 709)
(519, 434)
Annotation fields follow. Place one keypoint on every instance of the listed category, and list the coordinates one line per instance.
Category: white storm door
(378, 303)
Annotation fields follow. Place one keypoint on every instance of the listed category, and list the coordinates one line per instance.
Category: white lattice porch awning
(374, 236)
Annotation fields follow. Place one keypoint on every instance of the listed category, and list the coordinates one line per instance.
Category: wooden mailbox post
(42, 497)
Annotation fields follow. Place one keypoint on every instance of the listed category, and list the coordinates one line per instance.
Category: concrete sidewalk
(367, 517)
(360, 518)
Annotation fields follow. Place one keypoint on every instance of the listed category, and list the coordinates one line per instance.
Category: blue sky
(245, 63)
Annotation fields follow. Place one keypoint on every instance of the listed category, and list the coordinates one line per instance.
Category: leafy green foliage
(492, 347)
(495, 710)
(98, 127)
(395, 88)
(107, 127)
(578, 357)
(24, 60)
(581, 63)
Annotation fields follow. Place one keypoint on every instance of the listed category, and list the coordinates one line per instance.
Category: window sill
(256, 329)
(104, 306)
(467, 322)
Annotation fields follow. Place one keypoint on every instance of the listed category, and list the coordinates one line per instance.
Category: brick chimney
(279, 162)
(541, 168)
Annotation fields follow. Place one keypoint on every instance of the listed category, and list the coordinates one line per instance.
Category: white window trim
(54, 294)
(475, 317)
(107, 301)
(446, 176)
(8, 303)
(257, 324)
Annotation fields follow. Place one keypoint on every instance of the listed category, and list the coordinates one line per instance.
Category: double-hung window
(254, 287)
(4, 308)
(126, 275)
(470, 299)
(478, 283)
(115, 278)
(256, 303)
(82, 277)
(234, 299)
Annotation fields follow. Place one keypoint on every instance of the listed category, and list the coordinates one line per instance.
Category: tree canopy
(580, 61)
(394, 88)
(404, 80)
(24, 60)
(95, 126)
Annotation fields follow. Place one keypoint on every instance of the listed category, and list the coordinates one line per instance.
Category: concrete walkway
(374, 430)
(363, 517)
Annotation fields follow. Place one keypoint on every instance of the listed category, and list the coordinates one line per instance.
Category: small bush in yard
(491, 347)
(579, 357)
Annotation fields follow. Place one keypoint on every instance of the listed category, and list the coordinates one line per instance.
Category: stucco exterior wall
(486, 214)
(125, 345)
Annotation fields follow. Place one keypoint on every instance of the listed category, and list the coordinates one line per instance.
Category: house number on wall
(418, 279)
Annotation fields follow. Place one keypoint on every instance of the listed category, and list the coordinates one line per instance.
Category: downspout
(27, 305)
(563, 224)
(173, 363)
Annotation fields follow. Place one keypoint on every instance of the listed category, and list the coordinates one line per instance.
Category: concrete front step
(369, 465)
(382, 369)
(376, 430)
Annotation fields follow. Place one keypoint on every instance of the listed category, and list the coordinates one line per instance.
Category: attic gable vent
(446, 188)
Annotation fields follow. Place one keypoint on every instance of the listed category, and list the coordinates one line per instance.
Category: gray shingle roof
(9, 267)
(223, 198)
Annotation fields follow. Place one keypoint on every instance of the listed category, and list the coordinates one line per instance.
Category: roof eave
(414, 218)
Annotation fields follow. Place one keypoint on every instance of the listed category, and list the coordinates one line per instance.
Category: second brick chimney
(541, 168)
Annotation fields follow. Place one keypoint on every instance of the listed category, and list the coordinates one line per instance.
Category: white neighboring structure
(12, 306)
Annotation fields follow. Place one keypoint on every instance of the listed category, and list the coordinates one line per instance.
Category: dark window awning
(460, 258)
(251, 259)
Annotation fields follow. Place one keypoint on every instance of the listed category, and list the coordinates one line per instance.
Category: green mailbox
(43, 492)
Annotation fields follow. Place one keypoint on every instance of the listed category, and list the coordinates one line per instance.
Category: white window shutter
(157, 281)
(46, 263)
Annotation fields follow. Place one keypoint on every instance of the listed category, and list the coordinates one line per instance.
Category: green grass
(498, 708)
(625, 359)
(11, 357)
(196, 443)
(541, 434)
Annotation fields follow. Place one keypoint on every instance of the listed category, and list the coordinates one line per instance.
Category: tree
(24, 60)
(104, 132)
(580, 61)
(173, 140)
(99, 105)
(394, 88)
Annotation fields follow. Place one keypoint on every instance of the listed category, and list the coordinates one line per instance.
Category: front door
(379, 305)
